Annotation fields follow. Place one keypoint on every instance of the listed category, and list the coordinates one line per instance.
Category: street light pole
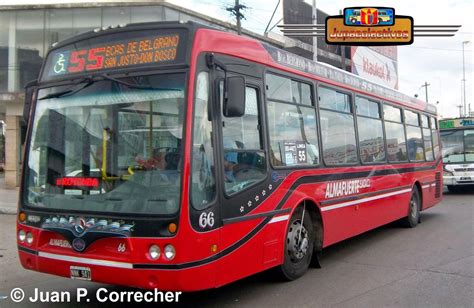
(464, 77)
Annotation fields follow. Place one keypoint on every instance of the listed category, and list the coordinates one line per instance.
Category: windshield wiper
(69, 92)
(130, 85)
(135, 86)
(90, 81)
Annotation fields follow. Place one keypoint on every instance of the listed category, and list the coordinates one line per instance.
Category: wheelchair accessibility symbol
(60, 64)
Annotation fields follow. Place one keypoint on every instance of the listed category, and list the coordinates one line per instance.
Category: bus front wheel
(414, 206)
(299, 246)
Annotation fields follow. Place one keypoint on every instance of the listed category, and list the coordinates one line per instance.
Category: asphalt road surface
(429, 266)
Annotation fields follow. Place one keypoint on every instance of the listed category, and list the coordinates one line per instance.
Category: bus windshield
(458, 145)
(112, 146)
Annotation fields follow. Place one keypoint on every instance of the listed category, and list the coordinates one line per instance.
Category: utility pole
(464, 77)
(235, 10)
(343, 50)
(315, 38)
(426, 89)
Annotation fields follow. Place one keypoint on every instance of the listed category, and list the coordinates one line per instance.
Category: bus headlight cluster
(25, 236)
(21, 236)
(29, 238)
(169, 252)
(154, 252)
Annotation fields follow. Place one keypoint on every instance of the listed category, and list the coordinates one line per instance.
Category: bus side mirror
(30, 94)
(234, 100)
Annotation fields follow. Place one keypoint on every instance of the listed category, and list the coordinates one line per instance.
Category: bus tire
(299, 246)
(414, 206)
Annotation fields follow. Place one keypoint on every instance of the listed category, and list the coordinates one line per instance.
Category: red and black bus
(179, 157)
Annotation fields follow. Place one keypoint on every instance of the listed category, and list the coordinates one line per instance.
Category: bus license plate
(465, 178)
(79, 272)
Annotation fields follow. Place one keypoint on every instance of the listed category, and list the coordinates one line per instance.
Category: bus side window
(395, 134)
(337, 127)
(369, 125)
(291, 122)
(414, 136)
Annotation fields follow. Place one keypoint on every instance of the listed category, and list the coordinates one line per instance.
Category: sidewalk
(8, 198)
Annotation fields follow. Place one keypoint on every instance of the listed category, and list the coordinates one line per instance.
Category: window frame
(354, 122)
(419, 126)
(429, 117)
(313, 92)
(220, 136)
(400, 108)
(402, 119)
(211, 111)
(381, 119)
(434, 120)
(310, 83)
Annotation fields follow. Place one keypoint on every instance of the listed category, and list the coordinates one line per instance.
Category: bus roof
(348, 79)
(278, 58)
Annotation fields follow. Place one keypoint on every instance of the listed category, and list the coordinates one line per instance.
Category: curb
(7, 211)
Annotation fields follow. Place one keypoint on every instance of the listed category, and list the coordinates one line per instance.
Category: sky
(437, 61)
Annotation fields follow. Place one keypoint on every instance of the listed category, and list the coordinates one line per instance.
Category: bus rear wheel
(414, 206)
(299, 246)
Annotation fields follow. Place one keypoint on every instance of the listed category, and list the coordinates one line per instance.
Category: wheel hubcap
(297, 241)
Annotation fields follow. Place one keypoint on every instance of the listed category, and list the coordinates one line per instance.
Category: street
(429, 266)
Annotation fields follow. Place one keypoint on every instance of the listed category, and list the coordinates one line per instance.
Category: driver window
(244, 158)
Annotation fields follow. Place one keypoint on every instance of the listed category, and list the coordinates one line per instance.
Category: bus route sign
(456, 123)
(115, 52)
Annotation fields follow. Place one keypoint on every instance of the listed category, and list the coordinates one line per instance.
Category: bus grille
(438, 185)
(463, 169)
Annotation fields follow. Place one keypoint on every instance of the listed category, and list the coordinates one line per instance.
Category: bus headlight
(29, 238)
(21, 236)
(154, 252)
(169, 252)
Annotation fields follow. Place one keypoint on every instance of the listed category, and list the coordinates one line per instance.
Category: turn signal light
(22, 217)
(172, 227)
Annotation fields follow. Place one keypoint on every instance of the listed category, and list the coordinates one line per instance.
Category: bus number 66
(206, 219)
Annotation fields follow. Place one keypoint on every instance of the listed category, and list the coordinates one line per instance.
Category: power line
(434, 48)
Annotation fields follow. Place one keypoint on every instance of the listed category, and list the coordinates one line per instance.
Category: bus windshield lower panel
(458, 146)
(107, 146)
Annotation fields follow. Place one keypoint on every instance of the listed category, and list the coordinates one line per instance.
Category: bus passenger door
(243, 179)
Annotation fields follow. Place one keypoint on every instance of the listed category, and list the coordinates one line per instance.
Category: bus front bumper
(457, 180)
(119, 273)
